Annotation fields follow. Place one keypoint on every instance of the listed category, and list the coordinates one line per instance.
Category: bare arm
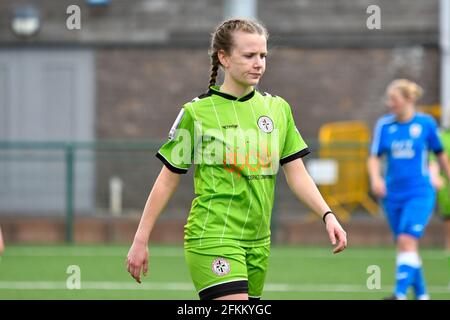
(165, 185)
(376, 180)
(302, 185)
(435, 176)
(162, 191)
(443, 163)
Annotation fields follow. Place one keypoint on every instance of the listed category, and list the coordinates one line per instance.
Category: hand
(336, 232)
(137, 260)
(438, 182)
(379, 187)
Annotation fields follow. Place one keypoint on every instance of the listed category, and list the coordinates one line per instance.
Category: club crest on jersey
(221, 266)
(415, 130)
(265, 124)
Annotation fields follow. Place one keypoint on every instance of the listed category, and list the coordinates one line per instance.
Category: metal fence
(70, 179)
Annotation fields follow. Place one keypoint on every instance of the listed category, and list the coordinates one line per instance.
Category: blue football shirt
(406, 145)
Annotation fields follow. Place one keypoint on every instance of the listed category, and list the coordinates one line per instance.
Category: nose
(258, 62)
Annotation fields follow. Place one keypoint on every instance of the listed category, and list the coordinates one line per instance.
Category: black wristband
(326, 213)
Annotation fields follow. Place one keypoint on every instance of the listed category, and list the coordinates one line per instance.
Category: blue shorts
(409, 216)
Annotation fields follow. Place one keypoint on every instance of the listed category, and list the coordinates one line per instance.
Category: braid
(214, 69)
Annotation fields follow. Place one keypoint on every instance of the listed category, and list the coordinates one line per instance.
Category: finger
(145, 267)
(129, 266)
(134, 271)
(342, 243)
(136, 274)
(340, 247)
(332, 236)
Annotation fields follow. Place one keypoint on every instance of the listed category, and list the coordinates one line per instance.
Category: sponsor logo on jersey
(403, 149)
(221, 266)
(251, 161)
(265, 124)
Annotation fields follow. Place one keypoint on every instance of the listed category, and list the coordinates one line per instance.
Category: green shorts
(444, 201)
(220, 270)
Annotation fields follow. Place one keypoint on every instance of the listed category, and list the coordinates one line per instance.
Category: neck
(235, 89)
(407, 115)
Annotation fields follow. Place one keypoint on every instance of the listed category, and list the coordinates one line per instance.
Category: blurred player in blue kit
(405, 137)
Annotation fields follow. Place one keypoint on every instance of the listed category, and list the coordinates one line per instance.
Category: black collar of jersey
(214, 90)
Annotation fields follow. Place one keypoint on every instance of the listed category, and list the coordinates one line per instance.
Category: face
(247, 61)
(396, 102)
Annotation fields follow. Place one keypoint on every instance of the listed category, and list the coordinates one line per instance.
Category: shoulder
(198, 101)
(385, 120)
(270, 96)
(276, 102)
(425, 119)
(267, 94)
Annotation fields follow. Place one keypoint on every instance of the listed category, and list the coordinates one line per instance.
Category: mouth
(255, 74)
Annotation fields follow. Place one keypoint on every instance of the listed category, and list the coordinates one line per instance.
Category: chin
(253, 82)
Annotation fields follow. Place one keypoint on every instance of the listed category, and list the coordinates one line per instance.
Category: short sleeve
(294, 146)
(177, 152)
(377, 148)
(434, 141)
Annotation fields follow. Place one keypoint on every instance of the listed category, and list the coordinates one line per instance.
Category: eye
(249, 55)
(263, 56)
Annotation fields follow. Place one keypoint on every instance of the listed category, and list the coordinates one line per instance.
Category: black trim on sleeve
(438, 152)
(294, 156)
(169, 166)
(224, 289)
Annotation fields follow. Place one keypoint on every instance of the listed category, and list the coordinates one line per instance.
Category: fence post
(69, 153)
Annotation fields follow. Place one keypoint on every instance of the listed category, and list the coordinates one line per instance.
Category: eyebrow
(254, 52)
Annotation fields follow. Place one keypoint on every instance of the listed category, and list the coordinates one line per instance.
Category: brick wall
(140, 91)
(90, 230)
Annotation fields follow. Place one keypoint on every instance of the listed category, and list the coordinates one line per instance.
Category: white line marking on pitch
(172, 252)
(185, 286)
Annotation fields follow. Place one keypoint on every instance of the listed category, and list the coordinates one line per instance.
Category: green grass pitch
(40, 272)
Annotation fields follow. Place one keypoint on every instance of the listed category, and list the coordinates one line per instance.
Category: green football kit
(236, 145)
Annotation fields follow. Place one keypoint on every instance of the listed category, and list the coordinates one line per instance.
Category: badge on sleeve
(175, 124)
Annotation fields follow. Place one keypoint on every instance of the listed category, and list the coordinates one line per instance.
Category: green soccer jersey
(236, 146)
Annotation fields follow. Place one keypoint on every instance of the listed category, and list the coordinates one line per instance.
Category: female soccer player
(406, 137)
(237, 138)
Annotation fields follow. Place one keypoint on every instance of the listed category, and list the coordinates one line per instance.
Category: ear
(223, 58)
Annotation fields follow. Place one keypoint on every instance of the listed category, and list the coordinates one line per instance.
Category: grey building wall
(189, 22)
(151, 57)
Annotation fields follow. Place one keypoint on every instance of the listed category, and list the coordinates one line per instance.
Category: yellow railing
(347, 143)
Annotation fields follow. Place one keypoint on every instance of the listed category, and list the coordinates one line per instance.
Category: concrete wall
(303, 22)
